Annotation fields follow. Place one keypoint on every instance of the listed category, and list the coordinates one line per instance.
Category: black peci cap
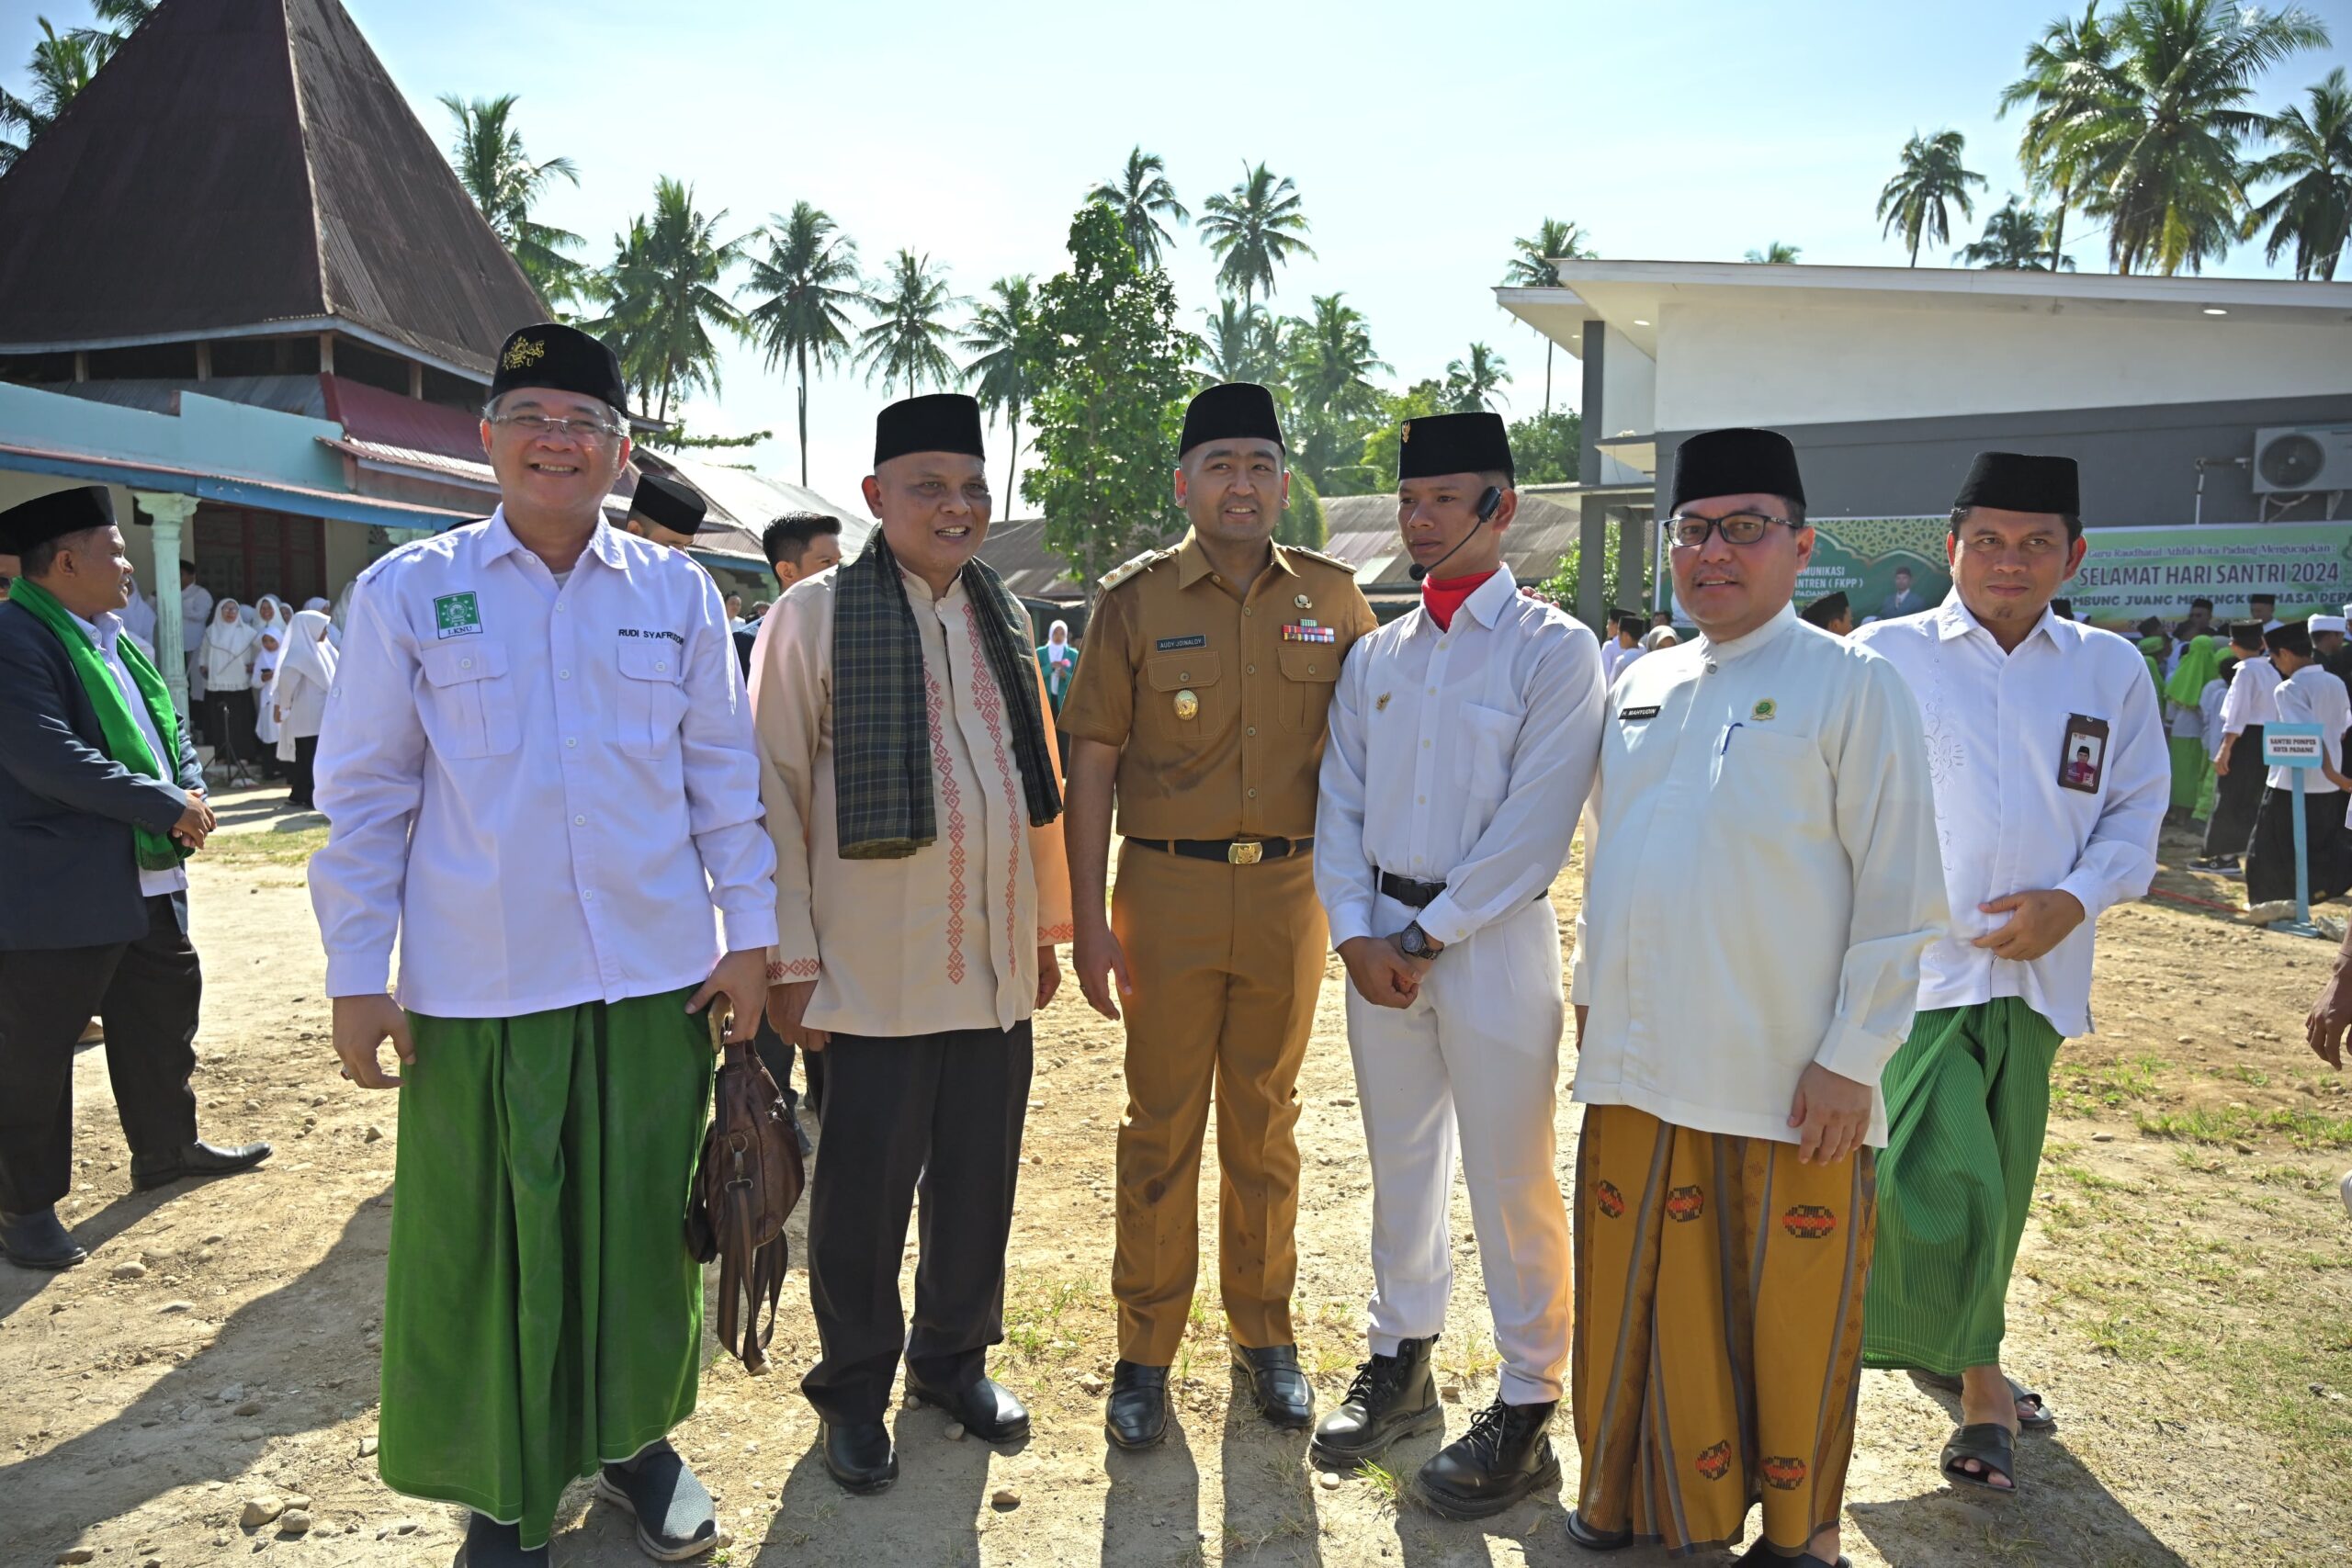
(1474, 443)
(52, 516)
(562, 358)
(2295, 636)
(2022, 481)
(1231, 411)
(937, 422)
(1736, 462)
(669, 501)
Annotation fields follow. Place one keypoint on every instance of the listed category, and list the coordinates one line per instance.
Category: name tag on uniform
(1170, 644)
(456, 614)
(1649, 712)
(1307, 631)
(2085, 757)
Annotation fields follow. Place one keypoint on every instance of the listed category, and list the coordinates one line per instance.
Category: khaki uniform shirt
(1215, 698)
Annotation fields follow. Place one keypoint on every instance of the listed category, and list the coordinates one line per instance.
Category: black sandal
(1591, 1539)
(1991, 1445)
(2042, 1419)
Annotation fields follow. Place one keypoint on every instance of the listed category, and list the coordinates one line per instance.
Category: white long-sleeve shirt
(1996, 727)
(1763, 880)
(2253, 697)
(2311, 695)
(543, 789)
(1459, 756)
(2209, 710)
(104, 633)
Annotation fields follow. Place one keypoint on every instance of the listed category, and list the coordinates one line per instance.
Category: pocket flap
(1173, 672)
(651, 658)
(461, 660)
(1318, 661)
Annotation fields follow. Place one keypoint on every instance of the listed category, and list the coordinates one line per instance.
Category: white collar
(1954, 618)
(1741, 647)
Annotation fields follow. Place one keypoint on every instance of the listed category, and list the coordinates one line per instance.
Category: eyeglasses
(1737, 528)
(588, 431)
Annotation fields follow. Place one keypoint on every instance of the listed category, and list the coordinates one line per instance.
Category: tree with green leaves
(1777, 253)
(1253, 229)
(2016, 238)
(1003, 333)
(61, 67)
(1474, 383)
(2312, 212)
(1382, 446)
(2160, 145)
(1533, 267)
(1333, 401)
(1547, 448)
(663, 298)
(1142, 195)
(1107, 385)
(1932, 180)
(505, 183)
(1244, 343)
(1302, 522)
(804, 286)
(2060, 87)
(909, 337)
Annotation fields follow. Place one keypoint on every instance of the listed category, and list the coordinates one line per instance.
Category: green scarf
(2200, 663)
(125, 744)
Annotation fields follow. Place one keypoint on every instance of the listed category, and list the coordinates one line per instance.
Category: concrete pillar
(1593, 555)
(1633, 555)
(172, 514)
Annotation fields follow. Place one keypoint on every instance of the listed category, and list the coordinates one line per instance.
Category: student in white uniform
(2307, 694)
(1774, 780)
(2251, 704)
(1460, 749)
(538, 764)
(2052, 774)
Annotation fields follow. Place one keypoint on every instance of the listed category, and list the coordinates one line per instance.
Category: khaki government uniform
(1216, 700)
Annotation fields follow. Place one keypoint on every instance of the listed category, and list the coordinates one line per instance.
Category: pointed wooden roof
(246, 165)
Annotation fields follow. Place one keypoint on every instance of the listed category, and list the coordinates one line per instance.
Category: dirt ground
(2184, 1299)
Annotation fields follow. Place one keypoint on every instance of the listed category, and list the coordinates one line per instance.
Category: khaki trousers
(1226, 962)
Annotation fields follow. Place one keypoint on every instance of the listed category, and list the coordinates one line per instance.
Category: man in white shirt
(2262, 609)
(1773, 778)
(2307, 694)
(195, 612)
(2051, 775)
(540, 773)
(2252, 701)
(1460, 750)
(913, 799)
(1623, 645)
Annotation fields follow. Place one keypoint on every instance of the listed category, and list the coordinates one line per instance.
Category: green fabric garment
(2201, 664)
(2208, 795)
(117, 725)
(541, 1315)
(1967, 1103)
(2190, 767)
(2152, 650)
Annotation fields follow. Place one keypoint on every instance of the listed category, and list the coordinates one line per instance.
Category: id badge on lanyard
(2083, 761)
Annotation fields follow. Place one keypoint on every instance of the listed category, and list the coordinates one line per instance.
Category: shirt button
(562, 608)
(1248, 610)
(563, 674)
(1425, 745)
(1250, 669)
(1421, 800)
(661, 664)
(1433, 691)
(571, 740)
(1251, 730)
(588, 896)
(1253, 795)
(1183, 674)
(579, 821)
(465, 664)
(1310, 669)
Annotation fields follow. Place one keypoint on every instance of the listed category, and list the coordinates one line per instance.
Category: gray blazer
(69, 868)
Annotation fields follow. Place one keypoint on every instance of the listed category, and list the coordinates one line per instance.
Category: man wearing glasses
(1731, 1043)
(502, 686)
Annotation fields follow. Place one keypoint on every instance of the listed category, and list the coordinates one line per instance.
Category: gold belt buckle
(1244, 854)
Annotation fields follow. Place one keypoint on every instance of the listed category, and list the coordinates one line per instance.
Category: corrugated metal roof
(1015, 550)
(244, 163)
(370, 414)
(742, 504)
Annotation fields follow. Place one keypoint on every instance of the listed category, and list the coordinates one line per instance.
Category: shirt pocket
(1481, 760)
(652, 703)
(1169, 676)
(469, 709)
(1309, 672)
(1768, 784)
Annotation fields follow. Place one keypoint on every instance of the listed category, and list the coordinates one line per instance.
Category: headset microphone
(1488, 505)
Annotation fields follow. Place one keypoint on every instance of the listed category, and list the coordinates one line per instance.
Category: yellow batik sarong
(1718, 1349)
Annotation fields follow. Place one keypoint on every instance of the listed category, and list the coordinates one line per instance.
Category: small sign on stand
(2299, 749)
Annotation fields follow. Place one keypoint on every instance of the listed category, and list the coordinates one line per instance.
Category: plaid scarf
(882, 786)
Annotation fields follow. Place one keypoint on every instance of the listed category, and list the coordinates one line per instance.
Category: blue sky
(1421, 138)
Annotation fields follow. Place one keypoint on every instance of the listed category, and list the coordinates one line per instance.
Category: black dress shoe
(858, 1454)
(38, 1241)
(1136, 1416)
(1593, 1539)
(987, 1408)
(1393, 1396)
(489, 1544)
(675, 1520)
(1282, 1394)
(1506, 1454)
(198, 1159)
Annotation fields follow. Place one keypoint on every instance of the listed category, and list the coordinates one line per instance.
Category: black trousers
(2237, 795)
(938, 1114)
(147, 992)
(2271, 858)
(299, 775)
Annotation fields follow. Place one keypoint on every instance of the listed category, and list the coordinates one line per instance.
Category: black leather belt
(1233, 851)
(1405, 890)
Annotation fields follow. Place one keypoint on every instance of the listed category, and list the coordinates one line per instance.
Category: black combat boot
(1393, 1396)
(1506, 1454)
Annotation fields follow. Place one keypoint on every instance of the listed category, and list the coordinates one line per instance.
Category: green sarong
(541, 1315)
(2208, 795)
(1967, 1103)
(2190, 766)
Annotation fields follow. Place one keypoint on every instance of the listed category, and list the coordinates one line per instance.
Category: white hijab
(1057, 648)
(309, 653)
(232, 638)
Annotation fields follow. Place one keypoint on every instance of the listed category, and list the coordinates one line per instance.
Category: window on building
(242, 553)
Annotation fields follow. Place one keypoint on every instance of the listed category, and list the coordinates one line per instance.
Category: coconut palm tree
(1474, 383)
(1243, 344)
(1330, 366)
(2060, 87)
(663, 298)
(2159, 146)
(1004, 335)
(909, 326)
(1141, 196)
(1918, 199)
(62, 65)
(505, 185)
(2015, 240)
(2314, 212)
(1253, 229)
(118, 19)
(1778, 253)
(804, 286)
(1533, 267)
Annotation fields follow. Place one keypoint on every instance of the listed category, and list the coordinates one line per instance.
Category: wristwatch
(1418, 943)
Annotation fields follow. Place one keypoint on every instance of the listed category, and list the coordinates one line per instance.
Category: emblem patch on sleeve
(456, 614)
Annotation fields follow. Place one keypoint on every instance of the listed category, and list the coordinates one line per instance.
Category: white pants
(1480, 1048)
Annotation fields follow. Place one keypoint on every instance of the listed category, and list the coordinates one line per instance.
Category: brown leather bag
(747, 1181)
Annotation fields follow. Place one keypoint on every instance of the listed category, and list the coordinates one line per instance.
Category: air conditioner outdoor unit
(2313, 457)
